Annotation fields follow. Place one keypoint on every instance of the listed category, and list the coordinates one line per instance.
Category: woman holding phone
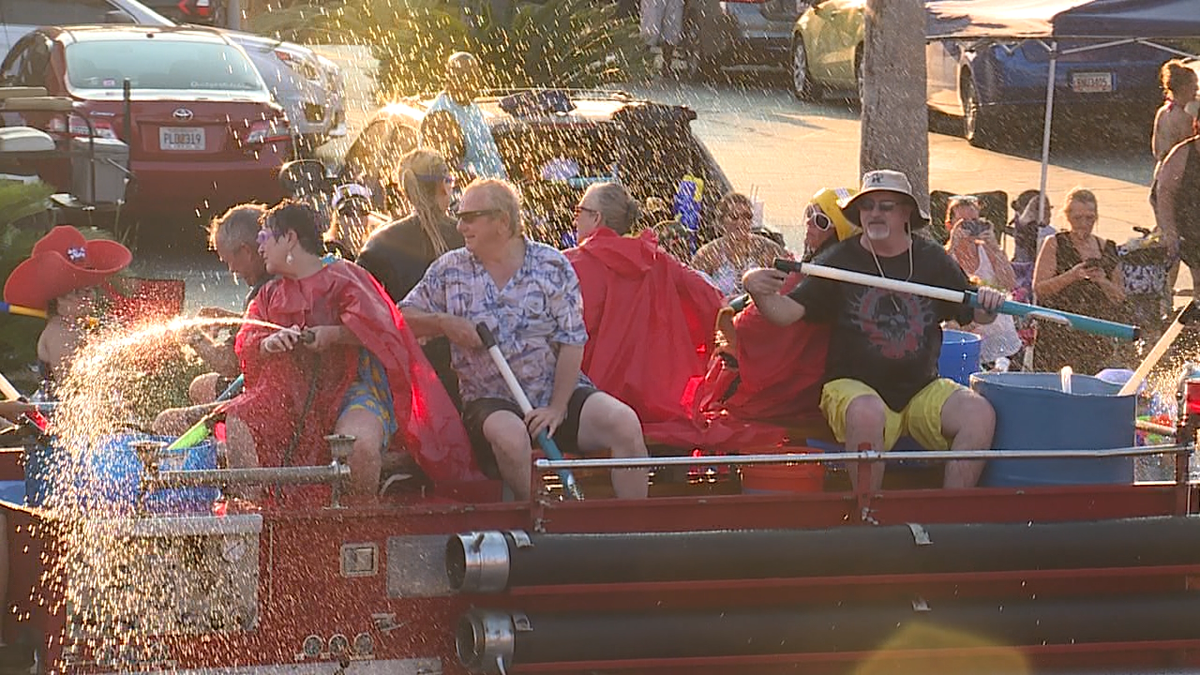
(1079, 272)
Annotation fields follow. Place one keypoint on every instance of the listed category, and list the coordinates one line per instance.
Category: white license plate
(1091, 83)
(181, 138)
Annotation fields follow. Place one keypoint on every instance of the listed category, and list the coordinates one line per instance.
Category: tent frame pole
(1042, 215)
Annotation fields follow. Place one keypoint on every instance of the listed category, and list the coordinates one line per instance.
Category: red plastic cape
(779, 370)
(650, 323)
(277, 385)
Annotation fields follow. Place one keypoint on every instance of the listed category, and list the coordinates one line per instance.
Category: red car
(202, 129)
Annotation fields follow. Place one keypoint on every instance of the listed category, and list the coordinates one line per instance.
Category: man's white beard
(877, 231)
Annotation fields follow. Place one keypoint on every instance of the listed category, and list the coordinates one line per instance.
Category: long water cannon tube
(1079, 322)
(494, 641)
(547, 444)
(493, 562)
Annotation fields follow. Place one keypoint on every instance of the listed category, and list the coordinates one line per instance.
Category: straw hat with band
(886, 180)
(61, 262)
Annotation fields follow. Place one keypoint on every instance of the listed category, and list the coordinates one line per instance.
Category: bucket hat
(886, 180)
(61, 262)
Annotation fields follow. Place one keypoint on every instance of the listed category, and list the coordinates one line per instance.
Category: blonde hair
(1079, 194)
(422, 174)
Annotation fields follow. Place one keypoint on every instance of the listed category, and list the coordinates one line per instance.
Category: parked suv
(308, 86)
(604, 134)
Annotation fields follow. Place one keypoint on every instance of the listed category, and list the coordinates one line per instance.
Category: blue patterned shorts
(370, 392)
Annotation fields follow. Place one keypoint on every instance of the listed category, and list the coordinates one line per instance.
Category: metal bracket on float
(920, 534)
(521, 622)
(520, 538)
(919, 605)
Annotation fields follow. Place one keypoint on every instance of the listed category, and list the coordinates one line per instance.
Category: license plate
(181, 138)
(1091, 83)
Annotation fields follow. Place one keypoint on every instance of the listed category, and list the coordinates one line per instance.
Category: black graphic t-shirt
(889, 341)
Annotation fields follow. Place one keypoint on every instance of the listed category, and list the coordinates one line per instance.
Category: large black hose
(489, 562)
(484, 636)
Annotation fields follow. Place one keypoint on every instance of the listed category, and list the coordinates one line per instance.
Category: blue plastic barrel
(107, 477)
(959, 358)
(1033, 413)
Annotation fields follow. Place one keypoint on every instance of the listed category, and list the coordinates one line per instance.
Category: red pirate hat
(61, 262)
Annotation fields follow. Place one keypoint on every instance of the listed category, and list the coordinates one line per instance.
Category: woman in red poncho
(362, 374)
(772, 372)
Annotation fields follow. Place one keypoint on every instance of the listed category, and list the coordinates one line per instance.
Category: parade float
(1059, 561)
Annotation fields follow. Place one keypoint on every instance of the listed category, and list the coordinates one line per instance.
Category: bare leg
(366, 460)
(203, 388)
(969, 420)
(608, 425)
(866, 417)
(243, 453)
(175, 421)
(514, 451)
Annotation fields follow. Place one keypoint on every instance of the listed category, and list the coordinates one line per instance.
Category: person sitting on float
(765, 372)
(399, 253)
(972, 243)
(234, 237)
(649, 318)
(881, 372)
(738, 249)
(63, 276)
(362, 373)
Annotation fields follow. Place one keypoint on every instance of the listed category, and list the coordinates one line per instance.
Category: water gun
(33, 417)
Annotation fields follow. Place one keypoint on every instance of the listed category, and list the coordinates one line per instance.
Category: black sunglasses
(468, 216)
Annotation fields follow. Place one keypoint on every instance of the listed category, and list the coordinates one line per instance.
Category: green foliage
(557, 43)
(20, 200)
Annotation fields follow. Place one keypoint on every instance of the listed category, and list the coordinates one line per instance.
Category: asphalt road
(784, 150)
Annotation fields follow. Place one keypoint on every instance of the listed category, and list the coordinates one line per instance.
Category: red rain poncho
(779, 372)
(278, 385)
(650, 323)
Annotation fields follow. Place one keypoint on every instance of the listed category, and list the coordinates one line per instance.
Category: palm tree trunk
(895, 120)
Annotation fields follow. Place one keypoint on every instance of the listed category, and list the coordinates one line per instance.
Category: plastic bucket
(959, 358)
(108, 477)
(763, 478)
(1033, 413)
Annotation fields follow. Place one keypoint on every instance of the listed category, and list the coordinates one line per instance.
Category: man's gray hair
(502, 196)
(237, 226)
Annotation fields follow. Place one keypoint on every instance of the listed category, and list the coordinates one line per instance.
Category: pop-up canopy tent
(1086, 24)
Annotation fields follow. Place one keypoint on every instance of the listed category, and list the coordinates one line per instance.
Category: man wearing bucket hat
(57, 277)
(881, 378)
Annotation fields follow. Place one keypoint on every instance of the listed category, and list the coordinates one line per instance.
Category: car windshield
(160, 64)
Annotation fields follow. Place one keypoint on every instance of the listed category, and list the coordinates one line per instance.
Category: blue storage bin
(959, 358)
(108, 477)
(1033, 413)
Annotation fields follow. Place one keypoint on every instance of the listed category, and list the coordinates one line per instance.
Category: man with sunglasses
(233, 237)
(881, 372)
(529, 295)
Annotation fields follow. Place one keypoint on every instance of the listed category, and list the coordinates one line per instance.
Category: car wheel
(802, 84)
(978, 126)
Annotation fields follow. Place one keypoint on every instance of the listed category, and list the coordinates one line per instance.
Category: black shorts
(566, 436)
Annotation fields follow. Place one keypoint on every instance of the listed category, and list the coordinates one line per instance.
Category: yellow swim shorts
(921, 418)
